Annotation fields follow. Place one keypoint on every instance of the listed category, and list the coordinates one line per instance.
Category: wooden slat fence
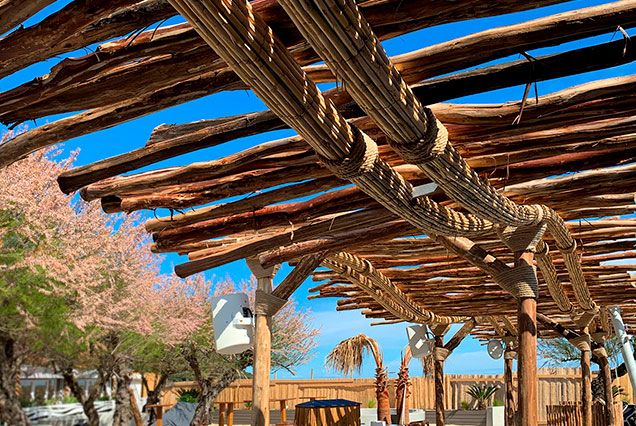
(556, 385)
(569, 414)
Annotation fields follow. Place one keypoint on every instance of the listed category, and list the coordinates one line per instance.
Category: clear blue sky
(470, 357)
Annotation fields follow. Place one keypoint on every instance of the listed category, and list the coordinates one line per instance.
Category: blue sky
(470, 357)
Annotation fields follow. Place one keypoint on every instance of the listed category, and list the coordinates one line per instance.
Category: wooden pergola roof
(573, 151)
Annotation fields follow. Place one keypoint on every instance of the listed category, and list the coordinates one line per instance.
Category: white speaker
(233, 323)
(495, 349)
(420, 341)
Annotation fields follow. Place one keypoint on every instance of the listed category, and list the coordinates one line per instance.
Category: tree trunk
(209, 390)
(88, 402)
(10, 408)
(382, 395)
(123, 413)
(154, 397)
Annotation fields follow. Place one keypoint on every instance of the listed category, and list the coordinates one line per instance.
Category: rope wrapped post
(522, 280)
(583, 344)
(266, 305)
(439, 354)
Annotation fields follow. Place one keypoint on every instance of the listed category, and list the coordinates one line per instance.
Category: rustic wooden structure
(468, 250)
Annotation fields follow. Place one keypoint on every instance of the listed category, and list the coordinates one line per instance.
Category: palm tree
(482, 394)
(347, 357)
(402, 387)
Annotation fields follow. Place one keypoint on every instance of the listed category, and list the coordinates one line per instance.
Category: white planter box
(495, 416)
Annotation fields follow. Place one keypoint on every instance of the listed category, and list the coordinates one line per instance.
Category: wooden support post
(586, 380)
(135, 408)
(510, 398)
(606, 376)
(262, 347)
(439, 384)
(527, 366)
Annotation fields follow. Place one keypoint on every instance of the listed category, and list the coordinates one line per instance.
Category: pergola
(421, 211)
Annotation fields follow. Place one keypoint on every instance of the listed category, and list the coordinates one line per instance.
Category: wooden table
(159, 408)
(282, 404)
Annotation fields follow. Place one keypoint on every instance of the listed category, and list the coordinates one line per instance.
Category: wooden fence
(556, 385)
(569, 414)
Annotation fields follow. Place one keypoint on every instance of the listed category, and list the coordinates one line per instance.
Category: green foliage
(248, 405)
(558, 352)
(68, 399)
(482, 394)
(371, 403)
(189, 395)
(497, 403)
(464, 405)
(618, 391)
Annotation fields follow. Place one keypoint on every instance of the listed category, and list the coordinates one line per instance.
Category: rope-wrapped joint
(582, 342)
(599, 352)
(267, 304)
(432, 144)
(440, 354)
(521, 238)
(521, 281)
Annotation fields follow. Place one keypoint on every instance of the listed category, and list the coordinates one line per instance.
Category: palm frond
(348, 355)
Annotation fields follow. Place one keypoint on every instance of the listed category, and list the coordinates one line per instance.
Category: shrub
(371, 403)
(464, 405)
(497, 403)
(482, 394)
(188, 395)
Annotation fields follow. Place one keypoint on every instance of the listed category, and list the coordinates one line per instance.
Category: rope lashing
(520, 282)
(343, 38)
(549, 273)
(521, 238)
(252, 50)
(440, 354)
(361, 158)
(582, 342)
(267, 304)
(380, 288)
(509, 354)
(599, 352)
(432, 144)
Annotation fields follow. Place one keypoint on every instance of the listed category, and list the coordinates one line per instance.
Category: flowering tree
(78, 288)
(293, 342)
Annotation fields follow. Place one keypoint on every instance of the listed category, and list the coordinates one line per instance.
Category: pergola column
(262, 345)
(509, 356)
(586, 377)
(439, 356)
(527, 365)
(600, 356)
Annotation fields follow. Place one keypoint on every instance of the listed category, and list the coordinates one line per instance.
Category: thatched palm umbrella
(347, 357)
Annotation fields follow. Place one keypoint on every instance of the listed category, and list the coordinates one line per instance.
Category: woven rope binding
(360, 160)
(267, 304)
(520, 281)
